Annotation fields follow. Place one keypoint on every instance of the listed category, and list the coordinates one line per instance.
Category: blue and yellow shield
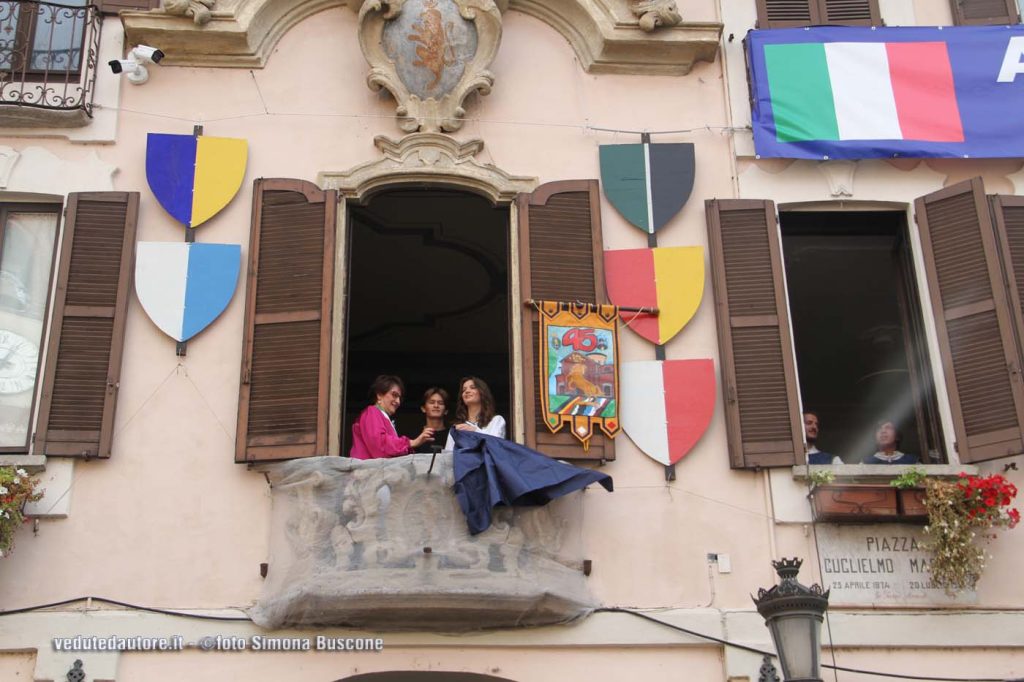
(194, 177)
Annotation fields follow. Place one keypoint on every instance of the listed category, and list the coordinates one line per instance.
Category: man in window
(814, 455)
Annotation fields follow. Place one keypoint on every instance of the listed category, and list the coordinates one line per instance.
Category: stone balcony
(382, 544)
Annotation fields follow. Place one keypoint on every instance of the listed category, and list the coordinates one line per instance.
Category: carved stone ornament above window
(654, 13)
(199, 10)
(608, 36)
(430, 55)
(431, 158)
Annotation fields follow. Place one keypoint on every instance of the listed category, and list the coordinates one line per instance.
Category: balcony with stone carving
(383, 544)
(48, 62)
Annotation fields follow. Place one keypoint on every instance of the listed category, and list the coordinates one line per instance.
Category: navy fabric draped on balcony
(492, 471)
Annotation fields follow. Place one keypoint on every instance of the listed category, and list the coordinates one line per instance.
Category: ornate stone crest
(430, 55)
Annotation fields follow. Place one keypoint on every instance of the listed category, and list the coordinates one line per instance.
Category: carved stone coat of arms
(430, 55)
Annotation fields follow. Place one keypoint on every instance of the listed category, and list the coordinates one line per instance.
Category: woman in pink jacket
(373, 433)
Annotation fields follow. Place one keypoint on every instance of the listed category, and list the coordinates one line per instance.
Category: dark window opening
(860, 342)
(428, 300)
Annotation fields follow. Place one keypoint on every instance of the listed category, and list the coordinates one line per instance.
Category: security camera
(135, 72)
(145, 53)
(134, 65)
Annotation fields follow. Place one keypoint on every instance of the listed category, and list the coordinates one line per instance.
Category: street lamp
(793, 614)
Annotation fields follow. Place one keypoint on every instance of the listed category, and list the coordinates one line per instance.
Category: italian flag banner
(852, 92)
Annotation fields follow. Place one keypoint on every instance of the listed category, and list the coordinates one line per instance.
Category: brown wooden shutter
(282, 402)
(973, 319)
(561, 259)
(850, 12)
(83, 356)
(790, 13)
(975, 12)
(758, 371)
(1008, 218)
(115, 6)
(786, 13)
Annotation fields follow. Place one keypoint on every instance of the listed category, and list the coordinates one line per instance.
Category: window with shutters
(984, 12)
(858, 333)
(424, 292)
(69, 304)
(858, 326)
(790, 13)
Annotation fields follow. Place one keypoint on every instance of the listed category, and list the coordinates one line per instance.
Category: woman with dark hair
(434, 408)
(475, 410)
(887, 439)
(374, 434)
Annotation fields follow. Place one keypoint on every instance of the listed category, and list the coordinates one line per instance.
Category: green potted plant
(963, 514)
(910, 494)
(16, 490)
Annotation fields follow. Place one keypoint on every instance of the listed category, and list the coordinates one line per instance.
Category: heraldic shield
(194, 177)
(647, 183)
(184, 287)
(670, 279)
(667, 405)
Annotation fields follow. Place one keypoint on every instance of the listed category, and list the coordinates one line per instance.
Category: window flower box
(911, 505)
(854, 503)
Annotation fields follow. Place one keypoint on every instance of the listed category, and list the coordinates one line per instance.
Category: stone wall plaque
(880, 565)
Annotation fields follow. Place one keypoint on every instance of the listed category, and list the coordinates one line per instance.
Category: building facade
(415, 175)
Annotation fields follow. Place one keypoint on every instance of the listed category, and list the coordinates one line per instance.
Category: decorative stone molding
(839, 176)
(428, 158)
(38, 171)
(653, 13)
(605, 35)
(199, 10)
(1018, 181)
(383, 544)
(430, 55)
(8, 157)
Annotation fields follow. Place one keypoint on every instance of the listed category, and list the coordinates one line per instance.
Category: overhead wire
(585, 127)
(771, 654)
(606, 609)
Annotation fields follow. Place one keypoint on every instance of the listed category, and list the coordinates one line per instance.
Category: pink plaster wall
(171, 520)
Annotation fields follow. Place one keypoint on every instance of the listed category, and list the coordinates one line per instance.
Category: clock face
(19, 358)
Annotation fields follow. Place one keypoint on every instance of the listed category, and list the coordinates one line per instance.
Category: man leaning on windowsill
(814, 455)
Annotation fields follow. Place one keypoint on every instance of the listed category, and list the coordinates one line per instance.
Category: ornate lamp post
(793, 614)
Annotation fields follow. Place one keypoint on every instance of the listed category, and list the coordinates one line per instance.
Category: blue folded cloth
(491, 471)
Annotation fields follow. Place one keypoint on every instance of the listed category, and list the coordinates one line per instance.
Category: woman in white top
(475, 411)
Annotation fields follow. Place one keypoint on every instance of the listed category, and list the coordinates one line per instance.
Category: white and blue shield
(184, 287)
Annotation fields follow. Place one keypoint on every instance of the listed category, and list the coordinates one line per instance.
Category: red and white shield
(667, 405)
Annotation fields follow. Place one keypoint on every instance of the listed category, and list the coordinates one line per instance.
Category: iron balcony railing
(48, 54)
